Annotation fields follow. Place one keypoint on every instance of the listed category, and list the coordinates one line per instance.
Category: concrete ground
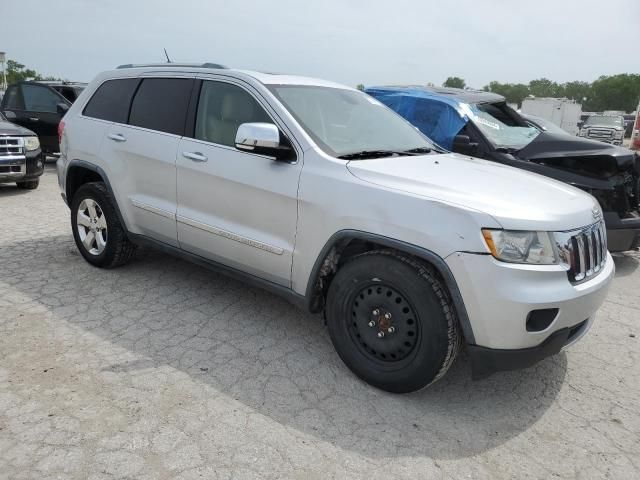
(161, 369)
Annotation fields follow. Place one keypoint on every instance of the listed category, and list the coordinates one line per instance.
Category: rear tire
(29, 184)
(393, 295)
(97, 230)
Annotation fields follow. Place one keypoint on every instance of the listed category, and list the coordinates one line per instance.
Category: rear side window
(12, 99)
(112, 100)
(161, 104)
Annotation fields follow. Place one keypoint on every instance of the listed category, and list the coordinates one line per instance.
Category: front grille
(600, 133)
(11, 146)
(588, 249)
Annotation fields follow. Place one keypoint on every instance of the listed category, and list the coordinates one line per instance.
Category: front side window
(112, 100)
(161, 104)
(344, 122)
(222, 108)
(39, 99)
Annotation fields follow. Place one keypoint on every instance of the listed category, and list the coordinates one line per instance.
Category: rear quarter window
(112, 100)
(161, 104)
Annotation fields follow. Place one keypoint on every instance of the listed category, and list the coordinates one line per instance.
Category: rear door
(142, 154)
(35, 107)
(235, 207)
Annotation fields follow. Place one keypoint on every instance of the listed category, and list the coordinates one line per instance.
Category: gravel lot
(162, 369)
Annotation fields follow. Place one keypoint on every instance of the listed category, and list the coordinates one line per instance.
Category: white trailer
(563, 112)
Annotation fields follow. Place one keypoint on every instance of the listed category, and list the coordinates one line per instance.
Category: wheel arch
(78, 173)
(347, 243)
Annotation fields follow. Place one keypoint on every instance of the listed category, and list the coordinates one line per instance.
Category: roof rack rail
(197, 65)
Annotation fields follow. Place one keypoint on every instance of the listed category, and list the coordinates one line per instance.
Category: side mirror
(462, 144)
(263, 139)
(62, 108)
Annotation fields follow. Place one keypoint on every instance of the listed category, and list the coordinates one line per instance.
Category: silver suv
(320, 193)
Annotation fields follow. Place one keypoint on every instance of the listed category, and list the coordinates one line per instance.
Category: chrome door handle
(195, 156)
(34, 119)
(117, 137)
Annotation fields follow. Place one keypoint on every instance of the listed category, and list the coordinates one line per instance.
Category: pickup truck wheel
(29, 184)
(392, 321)
(97, 231)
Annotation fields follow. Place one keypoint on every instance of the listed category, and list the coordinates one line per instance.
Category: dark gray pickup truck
(21, 159)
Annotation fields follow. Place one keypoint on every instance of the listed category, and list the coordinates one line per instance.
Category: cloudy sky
(349, 41)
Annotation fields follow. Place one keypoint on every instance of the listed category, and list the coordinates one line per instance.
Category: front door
(234, 207)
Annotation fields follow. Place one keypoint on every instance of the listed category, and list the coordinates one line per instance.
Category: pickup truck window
(344, 122)
(605, 121)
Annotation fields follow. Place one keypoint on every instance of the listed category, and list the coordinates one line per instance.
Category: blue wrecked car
(481, 124)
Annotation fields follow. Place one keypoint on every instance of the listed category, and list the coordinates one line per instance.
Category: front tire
(97, 230)
(392, 322)
(28, 184)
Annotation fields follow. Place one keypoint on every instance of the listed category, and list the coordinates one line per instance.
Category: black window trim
(249, 89)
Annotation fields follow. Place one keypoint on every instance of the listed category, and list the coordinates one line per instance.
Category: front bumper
(499, 297)
(622, 233)
(19, 168)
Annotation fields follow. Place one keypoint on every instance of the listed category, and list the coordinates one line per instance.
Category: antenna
(167, 55)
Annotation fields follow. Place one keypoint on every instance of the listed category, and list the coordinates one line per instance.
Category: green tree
(360, 87)
(544, 87)
(513, 92)
(454, 82)
(616, 92)
(578, 91)
(17, 72)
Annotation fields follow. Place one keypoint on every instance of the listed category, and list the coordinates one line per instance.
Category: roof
(456, 95)
(262, 77)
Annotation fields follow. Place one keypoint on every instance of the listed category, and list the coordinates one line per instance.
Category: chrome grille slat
(588, 252)
(11, 146)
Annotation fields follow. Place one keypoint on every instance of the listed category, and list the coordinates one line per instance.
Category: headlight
(619, 134)
(516, 246)
(31, 143)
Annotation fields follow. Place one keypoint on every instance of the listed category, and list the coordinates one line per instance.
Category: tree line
(17, 72)
(614, 92)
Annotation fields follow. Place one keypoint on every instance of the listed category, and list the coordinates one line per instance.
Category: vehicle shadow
(259, 350)
(626, 263)
(11, 190)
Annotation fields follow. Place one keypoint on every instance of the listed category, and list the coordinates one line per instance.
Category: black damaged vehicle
(481, 124)
(21, 159)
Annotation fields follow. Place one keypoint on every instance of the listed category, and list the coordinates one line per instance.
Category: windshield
(545, 124)
(345, 122)
(500, 127)
(604, 120)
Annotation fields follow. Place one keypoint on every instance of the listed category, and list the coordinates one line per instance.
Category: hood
(554, 145)
(8, 129)
(516, 199)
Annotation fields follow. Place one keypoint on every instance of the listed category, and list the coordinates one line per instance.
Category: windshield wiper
(418, 150)
(371, 154)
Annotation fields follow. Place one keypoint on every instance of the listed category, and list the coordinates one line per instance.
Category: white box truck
(563, 112)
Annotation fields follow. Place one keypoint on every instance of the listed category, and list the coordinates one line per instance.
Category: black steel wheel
(391, 321)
